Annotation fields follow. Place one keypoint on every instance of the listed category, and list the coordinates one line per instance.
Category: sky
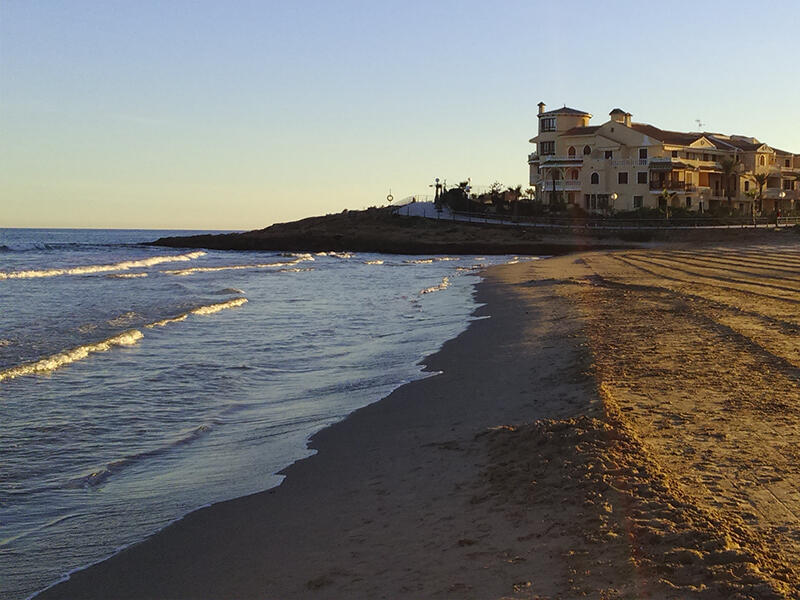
(238, 114)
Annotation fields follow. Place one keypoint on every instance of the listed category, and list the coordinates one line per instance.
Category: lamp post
(613, 200)
(700, 208)
(781, 196)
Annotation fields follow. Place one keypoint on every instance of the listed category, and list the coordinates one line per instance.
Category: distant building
(585, 165)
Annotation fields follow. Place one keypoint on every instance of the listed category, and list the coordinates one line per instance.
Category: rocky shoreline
(379, 230)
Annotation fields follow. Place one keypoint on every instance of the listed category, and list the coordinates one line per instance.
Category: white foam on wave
(437, 288)
(214, 308)
(88, 269)
(51, 363)
(373, 262)
(272, 265)
(419, 261)
(207, 309)
(126, 275)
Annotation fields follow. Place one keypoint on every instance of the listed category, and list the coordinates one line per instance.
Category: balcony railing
(562, 185)
(672, 186)
(629, 162)
(553, 158)
(533, 157)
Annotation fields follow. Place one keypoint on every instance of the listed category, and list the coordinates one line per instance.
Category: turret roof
(565, 110)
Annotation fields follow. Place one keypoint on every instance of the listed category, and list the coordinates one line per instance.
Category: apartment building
(623, 165)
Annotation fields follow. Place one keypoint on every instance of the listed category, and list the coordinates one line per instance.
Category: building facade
(622, 165)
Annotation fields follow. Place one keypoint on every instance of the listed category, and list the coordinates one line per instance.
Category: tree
(729, 168)
(530, 193)
(761, 180)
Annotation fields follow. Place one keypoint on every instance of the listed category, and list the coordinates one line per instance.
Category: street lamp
(782, 195)
(613, 200)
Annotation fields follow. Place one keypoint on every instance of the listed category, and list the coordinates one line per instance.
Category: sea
(139, 383)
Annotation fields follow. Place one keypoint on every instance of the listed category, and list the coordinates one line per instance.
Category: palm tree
(665, 200)
(729, 168)
(761, 180)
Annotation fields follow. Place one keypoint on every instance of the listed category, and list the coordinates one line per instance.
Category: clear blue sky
(241, 114)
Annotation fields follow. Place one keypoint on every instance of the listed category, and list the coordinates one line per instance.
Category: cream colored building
(622, 165)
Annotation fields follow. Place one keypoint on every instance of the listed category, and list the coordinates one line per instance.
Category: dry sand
(626, 425)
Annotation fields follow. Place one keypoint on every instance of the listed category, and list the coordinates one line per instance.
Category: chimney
(541, 107)
(628, 119)
(617, 115)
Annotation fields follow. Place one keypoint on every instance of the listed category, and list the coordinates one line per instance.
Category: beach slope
(625, 425)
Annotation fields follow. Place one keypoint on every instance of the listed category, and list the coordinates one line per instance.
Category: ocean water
(140, 383)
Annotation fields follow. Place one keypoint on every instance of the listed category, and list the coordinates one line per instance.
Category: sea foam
(272, 265)
(88, 269)
(207, 309)
(437, 288)
(55, 361)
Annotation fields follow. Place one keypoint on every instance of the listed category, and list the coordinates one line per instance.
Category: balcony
(533, 157)
(774, 193)
(629, 162)
(562, 185)
(549, 160)
(672, 186)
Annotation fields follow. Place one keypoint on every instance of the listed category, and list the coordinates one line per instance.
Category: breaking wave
(214, 308)
(373, 262)
(55, 361)
(127, 275)
(95, 478)
(120, 266)
(208, 309)
(272, 265)
(437, 288)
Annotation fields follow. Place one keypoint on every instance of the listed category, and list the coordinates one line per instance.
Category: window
(622, 177)
(609, 154)
(688, 201)
(786, 163)
(638, 201)
(761, 160)
(602, 201)
(787, 184)
(571, 151)
(691, 155)
(574, 174)
(548, 124)
(641, 177)
(594, 201)
(546, 148)
(746, 186)
(586, 200)
(595, 178)
(587, 150)
(674, 154)
(706, 158)
(642, 153)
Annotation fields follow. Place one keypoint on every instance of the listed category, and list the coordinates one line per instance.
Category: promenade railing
(560, 222)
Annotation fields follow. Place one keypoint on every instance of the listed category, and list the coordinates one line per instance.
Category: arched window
(587, 150)
(555, 174)
(571, 151)
(761, 160)
(595, 178)
(574, 174)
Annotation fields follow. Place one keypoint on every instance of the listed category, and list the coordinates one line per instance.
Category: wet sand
(625, 425)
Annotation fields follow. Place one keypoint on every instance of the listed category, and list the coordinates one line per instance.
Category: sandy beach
(625, 425)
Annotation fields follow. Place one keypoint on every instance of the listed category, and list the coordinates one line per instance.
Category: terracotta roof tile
(582, 130)
(565, 110)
